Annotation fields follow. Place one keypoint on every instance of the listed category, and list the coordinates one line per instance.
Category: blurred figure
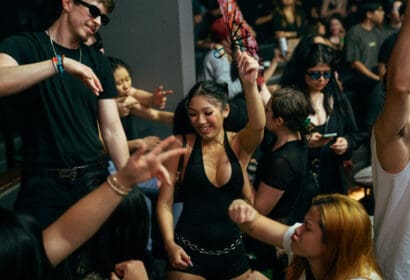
(390, 164)
(333, 7)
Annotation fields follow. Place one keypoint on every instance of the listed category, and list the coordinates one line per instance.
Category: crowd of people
(83, 209)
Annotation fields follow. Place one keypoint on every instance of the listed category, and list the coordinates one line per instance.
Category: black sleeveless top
(204, 219)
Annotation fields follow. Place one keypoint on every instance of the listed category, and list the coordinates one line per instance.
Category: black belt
(65, 173)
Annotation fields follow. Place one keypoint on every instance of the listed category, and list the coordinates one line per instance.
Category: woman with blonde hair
(334, 242)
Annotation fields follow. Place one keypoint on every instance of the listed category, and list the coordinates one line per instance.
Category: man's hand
(84, 73)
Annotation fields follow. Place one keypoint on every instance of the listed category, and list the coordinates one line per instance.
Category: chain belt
(203, 251)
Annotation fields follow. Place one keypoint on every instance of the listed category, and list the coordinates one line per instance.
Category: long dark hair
(309, 54)
(116, 62)
(21, 247)
(123, 236)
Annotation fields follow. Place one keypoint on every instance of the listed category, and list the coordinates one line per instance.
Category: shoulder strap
(181, 158)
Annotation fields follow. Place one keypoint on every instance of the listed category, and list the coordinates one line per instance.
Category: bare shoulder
(233, 140)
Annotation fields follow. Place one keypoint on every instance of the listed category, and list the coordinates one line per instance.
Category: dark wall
(156, 39)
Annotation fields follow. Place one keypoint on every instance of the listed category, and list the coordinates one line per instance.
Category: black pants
(47, 197)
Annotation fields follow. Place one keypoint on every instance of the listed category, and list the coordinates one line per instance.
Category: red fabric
(240, 32)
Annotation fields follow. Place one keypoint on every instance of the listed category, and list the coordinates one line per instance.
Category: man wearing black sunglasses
(66, 94)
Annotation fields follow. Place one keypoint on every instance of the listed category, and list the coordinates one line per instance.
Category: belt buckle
(68, 173)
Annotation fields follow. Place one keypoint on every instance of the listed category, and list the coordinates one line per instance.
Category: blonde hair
(347, 235)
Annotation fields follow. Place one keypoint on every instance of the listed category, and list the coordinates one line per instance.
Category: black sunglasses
(95, 12)
(315, 75)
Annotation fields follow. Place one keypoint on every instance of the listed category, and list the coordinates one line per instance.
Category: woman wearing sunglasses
(335, 136)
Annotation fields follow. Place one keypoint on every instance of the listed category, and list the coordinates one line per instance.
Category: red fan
(240, 32)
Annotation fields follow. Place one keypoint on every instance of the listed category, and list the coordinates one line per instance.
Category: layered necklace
(54, 50)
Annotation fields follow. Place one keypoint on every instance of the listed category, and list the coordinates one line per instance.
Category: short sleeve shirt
(58, 116)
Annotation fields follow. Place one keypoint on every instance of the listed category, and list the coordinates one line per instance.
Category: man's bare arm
(391, 128)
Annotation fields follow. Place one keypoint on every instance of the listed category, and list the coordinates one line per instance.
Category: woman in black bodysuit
(206, 244)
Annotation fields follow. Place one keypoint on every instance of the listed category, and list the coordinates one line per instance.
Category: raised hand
(248, 67)
(84, 73)
(142, 167)
(241, 212)
(159, 97)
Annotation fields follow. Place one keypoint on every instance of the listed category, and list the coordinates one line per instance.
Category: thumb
(114, 276)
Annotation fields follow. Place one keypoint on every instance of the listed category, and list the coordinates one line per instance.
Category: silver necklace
(54, 50)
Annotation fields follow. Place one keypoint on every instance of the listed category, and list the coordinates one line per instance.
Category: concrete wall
(156, 39)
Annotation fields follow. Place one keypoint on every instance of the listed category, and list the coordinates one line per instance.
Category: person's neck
(314, 95)
(368, 25)
(59, 33)
(218, 140)
(283, 136)
(316, 266)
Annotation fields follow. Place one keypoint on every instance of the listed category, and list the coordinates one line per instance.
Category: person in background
(390, 164)
(27, 253)
(332, 7)
(335, 32)
(205, 243)
(288, 20)
(134, 102)
(281, 173)
(335, 135)
(394, 18)
(334, 242)
(362, 44)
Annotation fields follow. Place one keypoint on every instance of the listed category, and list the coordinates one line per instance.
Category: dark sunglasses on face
(315, 75)
(95, 12)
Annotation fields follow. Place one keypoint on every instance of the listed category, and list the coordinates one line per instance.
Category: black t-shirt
(387, 48)
(130, 127)
(58, 116)
(285, 169)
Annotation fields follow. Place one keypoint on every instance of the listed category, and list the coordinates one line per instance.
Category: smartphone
(329, 135)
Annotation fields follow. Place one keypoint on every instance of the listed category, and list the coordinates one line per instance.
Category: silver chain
(54, 50)
(203, 251)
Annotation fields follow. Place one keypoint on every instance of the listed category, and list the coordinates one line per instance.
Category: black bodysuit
(204, 229)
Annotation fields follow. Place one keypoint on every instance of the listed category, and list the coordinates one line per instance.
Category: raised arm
(152, 114)
(15, 78)
(158, 98)
(255, 224)
(85, 217)
(252, 134)
(392, 127)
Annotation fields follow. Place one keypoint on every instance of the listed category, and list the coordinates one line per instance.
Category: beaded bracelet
(116, 186)
(58, 63)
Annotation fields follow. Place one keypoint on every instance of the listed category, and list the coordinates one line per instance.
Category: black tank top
(204, 219)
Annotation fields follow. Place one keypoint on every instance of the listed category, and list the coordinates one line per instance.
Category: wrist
(121, 181)
(58, 63)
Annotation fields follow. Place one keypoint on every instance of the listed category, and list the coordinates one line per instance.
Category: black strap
(182, 157)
